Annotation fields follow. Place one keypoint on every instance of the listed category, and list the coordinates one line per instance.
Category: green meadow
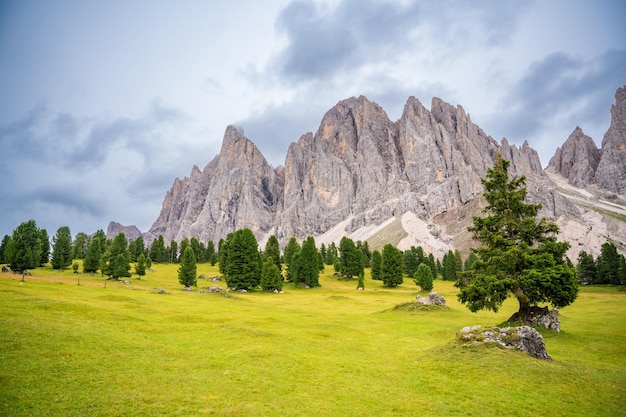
(124, 350)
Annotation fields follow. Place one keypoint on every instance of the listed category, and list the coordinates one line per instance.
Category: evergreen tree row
(608, 268)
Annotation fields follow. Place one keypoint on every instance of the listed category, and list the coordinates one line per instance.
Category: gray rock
(611, 172)
(130, 232)
(433, 299)
(577, 160)
(523, 338)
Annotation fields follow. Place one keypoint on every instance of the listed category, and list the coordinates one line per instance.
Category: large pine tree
(518, 254)
(243, 268)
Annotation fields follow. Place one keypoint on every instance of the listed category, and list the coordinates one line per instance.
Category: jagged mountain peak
(358, 175)
(577, 159)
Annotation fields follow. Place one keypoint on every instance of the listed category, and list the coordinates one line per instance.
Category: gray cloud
(323, 41)
(561, 89)
(103, 169)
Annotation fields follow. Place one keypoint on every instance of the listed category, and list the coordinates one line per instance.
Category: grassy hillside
(75, 350)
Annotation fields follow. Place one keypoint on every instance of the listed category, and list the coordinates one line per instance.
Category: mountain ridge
(360, 171)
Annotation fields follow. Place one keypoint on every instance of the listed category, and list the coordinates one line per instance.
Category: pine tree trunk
(524, 307)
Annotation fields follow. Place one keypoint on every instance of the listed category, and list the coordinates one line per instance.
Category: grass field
(87, 350)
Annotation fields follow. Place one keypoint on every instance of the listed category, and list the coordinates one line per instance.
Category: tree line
(244, 266)
(241, 262)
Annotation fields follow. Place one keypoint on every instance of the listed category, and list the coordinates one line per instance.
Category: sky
(104, 103)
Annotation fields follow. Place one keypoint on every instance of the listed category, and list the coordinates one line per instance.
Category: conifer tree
(272, 250)
(157, 250)
(586, 271)
(81, 243)
(290, 250)
(3, 246)
(243, 269)
(518, 254)
(140, 266)
(424, 277)
(23, 250)
(350, 258)
(181, 249)
(187, 269)
(376, 264)
(91, 263)
(62, 248)
(45, 247)
(361, 281)
(271, 279)
(308, 263)
(391, 266)
(117, 258)
(136, 247)
(608, 265)
(210, 252)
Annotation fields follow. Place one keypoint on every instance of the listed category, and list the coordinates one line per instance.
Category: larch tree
(518, 255)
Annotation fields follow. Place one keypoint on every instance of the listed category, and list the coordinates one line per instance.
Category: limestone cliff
(413, 181)
(577, 160)
(611, 171)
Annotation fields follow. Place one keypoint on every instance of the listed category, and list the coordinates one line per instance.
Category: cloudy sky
(104, 103)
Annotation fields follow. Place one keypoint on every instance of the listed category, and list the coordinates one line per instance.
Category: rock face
(577, 160)
(523, 338)
(583, 164)
(410, 182)
(237, 189)
(358, 167)
(611, 172)
(131, 232)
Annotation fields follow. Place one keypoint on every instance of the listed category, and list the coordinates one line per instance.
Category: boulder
(522, 338)
(433, 299)
(539, 316)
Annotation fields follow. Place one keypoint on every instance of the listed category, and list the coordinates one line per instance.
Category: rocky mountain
(131, 232)
(582, 163)
(577, 160)
(415, 181)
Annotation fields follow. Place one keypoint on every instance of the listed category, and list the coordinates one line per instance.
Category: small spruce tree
(140, 266)
(271, 279)
(187, 269)
(391, 266)
(424, 277)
